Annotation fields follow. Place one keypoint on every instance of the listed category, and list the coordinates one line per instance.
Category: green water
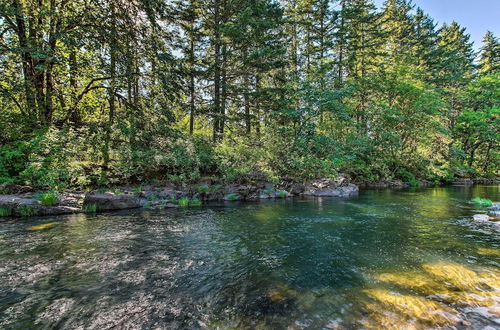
(392, 259)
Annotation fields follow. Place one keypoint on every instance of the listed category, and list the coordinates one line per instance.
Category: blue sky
(478, 16)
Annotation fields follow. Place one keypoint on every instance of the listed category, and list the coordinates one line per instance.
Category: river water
(384, 259)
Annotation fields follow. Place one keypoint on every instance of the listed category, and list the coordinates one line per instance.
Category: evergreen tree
(489, 61)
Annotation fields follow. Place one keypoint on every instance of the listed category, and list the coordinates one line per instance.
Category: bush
(184, 202)
(47, 199)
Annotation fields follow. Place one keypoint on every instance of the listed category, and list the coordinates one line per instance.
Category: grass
(415, 183)
(232, 197)
(173, 200)
(184, 201)
(5, 211)
(202, 189)
(482, 202)
(195, 202)
(138, 191)
(47, 199)
(280, 194)
(268, 192)
(90, 208)
(101, 190)
(26, 211)
(147, 205)
(152, 197)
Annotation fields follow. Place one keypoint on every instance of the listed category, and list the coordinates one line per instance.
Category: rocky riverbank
(23, 201)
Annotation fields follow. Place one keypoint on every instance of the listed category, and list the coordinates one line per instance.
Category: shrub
(47, 199)
(482, 202)
(184, 201)
(101, 190)
(90, 208)
(5, 212)
(195, 202)
(26, 211)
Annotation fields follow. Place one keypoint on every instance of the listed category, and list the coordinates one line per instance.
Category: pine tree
(489, 61)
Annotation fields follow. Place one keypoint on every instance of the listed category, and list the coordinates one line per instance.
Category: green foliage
(195, 202)
(280, 194)
(415, 183)
(202, 189)
(138, 190)
(90, 208)
(152, 197)
(48, 199)
(295, 90)
(482, 202)
(232, 197)
(5, 212)
(147, 205)
(183, 201)
(25, 211)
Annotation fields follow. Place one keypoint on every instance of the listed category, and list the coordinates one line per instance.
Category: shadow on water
(393, 259)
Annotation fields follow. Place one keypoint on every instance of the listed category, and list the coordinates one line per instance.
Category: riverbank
(23, 201)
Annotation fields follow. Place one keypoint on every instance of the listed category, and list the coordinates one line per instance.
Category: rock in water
(109, 201)
(330, 188)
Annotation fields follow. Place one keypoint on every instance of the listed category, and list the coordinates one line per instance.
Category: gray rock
(330, 188)
(110, 201)
(15, 203)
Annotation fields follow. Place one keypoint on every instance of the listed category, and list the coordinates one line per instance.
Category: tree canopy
(100, 92)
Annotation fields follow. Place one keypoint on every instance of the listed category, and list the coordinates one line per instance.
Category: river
(383, 259)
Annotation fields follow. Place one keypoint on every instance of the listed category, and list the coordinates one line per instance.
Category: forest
(104, 92)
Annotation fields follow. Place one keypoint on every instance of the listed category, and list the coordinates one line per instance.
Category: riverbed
(412, 258)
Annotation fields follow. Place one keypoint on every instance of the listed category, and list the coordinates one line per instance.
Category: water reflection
(406, 259)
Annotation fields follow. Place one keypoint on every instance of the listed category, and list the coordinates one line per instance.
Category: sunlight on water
(410, 259)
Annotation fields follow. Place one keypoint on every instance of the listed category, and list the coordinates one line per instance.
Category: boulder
(463, 182)
(30, 207)
(330, 188)
(110, 201)
(481, 217)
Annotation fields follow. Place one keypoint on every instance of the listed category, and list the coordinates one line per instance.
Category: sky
(478, 16)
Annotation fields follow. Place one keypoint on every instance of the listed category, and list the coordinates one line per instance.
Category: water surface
(392, 259)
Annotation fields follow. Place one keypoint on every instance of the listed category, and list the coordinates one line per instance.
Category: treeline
(107, 91)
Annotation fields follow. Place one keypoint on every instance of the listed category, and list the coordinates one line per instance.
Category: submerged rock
(110, 201)
(481, 217)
